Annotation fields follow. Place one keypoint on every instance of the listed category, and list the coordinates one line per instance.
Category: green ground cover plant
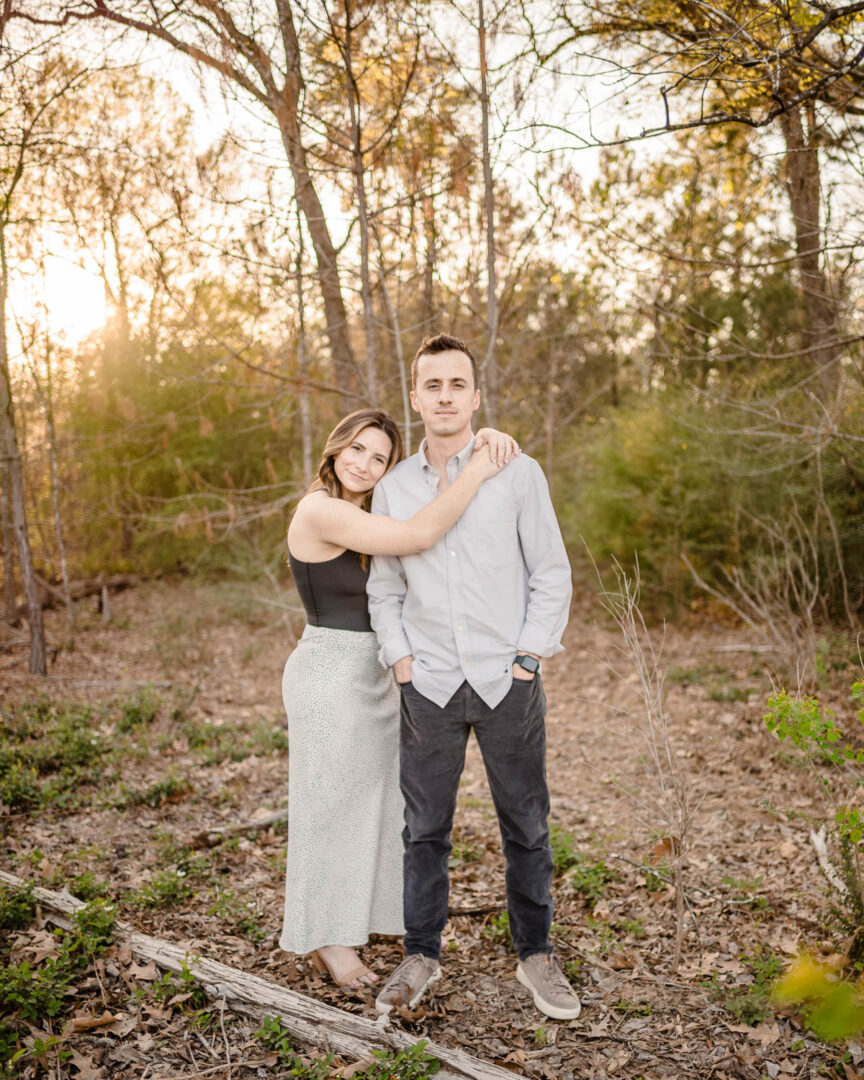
(749, 1004)
(48, 751)
(834, 760)
(31, 993)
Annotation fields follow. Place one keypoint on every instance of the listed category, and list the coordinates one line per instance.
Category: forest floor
(186, 733)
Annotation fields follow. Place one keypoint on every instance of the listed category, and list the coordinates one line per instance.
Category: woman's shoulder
(311, 499)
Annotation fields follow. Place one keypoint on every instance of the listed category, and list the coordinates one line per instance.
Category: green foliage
(8, 1046)
(744, 889)
(47, 751)
(139, 711)
(749, 1004)
(229, 742)
(412, 1063)
(17, 907)
(241, 915)
(590, 877)
(19, 786)
(633, 1008)
(497, 928)
(660, 476)
(564, 852)
(181, 988)
(808, 727)
(86, 886)
(831, 1006)
(463, 851)
(274, 1037)
(812, 731)
(167, 888)
(169, 789)
(35, 992)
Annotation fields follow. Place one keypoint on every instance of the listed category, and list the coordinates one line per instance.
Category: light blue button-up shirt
(497, 584)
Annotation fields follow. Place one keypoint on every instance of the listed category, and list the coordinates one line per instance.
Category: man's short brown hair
(443, 343)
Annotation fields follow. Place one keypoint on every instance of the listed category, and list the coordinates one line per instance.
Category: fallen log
(310, 1022)
(51, 596)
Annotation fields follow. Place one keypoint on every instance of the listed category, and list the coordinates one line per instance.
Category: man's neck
(440, 448)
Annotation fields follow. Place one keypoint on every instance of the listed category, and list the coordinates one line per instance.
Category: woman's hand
(482, 464)
(502, 447)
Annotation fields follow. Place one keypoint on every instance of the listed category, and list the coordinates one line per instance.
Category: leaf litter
(215, 755)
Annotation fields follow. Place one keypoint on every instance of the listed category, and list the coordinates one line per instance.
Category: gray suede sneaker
(408, 983)
(553, 994)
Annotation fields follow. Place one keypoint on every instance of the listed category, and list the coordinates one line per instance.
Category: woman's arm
(337, 521)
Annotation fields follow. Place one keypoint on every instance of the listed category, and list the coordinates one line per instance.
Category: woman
(344, 869)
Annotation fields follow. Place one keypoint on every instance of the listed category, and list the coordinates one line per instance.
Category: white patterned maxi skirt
(344, 871)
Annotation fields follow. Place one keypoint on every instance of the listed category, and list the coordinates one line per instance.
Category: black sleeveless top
(333, 592)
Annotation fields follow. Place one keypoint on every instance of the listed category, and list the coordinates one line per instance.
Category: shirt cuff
(393, 649)
(534, 640)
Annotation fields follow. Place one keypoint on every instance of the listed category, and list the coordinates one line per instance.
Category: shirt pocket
(498, 543)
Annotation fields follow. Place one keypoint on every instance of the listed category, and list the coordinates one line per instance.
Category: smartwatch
(529, 663)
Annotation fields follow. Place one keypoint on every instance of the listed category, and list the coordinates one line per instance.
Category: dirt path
(215, 754)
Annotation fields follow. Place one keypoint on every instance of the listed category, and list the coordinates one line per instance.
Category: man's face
(445, 395)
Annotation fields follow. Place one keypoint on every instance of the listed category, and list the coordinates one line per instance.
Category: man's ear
(413, 398)
(476, 400)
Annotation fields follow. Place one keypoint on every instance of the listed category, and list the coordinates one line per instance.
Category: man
(463, 625)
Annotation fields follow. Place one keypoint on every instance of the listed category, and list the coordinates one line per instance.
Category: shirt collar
(462, 456)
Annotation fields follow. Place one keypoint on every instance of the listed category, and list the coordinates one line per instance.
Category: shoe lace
(401, 981)
(556, 975)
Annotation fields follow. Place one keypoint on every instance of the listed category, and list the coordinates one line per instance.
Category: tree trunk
(48, 406)
(803, 185)
(303, 365)
(285, 106)
(430, 312)
(393, 313)
(7, 539)
(11, 461)
(369, 328)
(490, 366)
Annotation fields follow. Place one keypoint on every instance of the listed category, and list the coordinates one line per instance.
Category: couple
(468, 588)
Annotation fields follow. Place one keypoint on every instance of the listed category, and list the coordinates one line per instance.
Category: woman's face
(362, 463)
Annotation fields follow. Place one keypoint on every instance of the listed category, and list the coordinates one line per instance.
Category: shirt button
(459, 627)
(453, 554)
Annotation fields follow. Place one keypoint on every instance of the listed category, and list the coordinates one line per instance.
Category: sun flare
(74, 300)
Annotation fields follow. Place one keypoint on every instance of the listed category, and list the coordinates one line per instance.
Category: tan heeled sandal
(353, 979)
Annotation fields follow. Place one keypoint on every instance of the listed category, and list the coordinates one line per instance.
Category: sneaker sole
(555, 1012)
(385, 1008)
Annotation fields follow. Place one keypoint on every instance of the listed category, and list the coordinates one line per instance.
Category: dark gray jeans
(512, 739)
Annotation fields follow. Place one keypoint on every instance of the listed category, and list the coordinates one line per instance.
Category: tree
(258, 56)
(748, 63)
(32, 85)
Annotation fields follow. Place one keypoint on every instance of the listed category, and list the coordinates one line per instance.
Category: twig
(221, 1004)
(691, 888)
(209, 837)
(817, 839)
(251, 1064)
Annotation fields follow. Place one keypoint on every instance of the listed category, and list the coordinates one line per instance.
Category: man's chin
(445, 426)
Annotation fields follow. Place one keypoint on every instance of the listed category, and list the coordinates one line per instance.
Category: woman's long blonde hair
(345, 432)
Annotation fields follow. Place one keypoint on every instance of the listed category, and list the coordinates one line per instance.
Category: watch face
(528, 663)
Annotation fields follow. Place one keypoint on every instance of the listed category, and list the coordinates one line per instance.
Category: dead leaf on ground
(356, 1066)
(668, 848)
(86, 1069)
(85, 1022)
(143, 972)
